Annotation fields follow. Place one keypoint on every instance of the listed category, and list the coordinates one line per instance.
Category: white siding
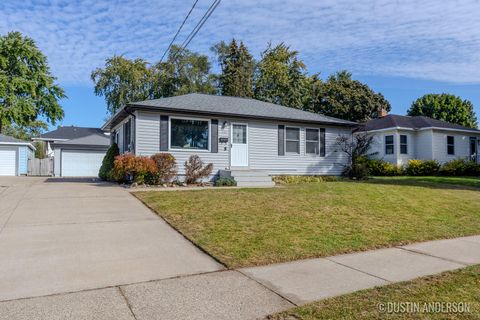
(262, 144)
(462, 145)
(424, 146)
(402, 159)
(378, 146)
(56, 161)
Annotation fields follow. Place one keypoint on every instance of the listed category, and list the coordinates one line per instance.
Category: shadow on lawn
(442, 183)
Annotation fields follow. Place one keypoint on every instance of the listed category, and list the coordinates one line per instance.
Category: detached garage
(14, 156)
(80, 157)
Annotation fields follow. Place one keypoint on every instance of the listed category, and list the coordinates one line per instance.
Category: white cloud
(437, 40)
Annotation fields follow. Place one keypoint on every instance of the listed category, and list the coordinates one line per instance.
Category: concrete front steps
(248, 177)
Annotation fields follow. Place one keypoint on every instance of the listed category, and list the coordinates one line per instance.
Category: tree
(446, 107)
(357, 150)
(26, 132)
(237, 67)
(27, 88)
(122, 81)
(281, 78)
(183, 72)
(106, 169)
(342, 97)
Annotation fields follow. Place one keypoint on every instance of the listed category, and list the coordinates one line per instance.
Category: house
(401, 138)
(242, 137)
(14, 156)
(77, 151)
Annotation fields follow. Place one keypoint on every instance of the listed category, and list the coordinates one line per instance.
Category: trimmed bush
(106, 169)
(284, 179)
(166, 167)
(225, 182)
(382, 168)
(196, 170)
(128, 168)
(422, 168)
(460, 167)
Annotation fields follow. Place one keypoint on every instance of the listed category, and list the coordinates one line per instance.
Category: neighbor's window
(450, 144)
(188, 134)
(403, 144)
(389, 145)
(292, 141)
(312, 141)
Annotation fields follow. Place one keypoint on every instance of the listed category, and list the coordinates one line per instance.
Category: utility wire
(179, 29)
(197, 28)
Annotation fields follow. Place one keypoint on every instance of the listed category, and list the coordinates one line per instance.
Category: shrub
(106, 169)
(357, 169)
(128, 167)
(460, 167)
(225, 182)
(284, 179)
(382, 168)
(195, 169)
(166, 167)
(422, 168)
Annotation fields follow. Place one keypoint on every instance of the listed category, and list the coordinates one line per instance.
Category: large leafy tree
(121, 81)
(237, 70)
(183, 72)
(446, 107)
(281, 78)
(342, 97)
(26, 132)
(27, 88)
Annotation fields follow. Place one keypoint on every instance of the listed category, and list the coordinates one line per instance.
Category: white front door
(239, 149)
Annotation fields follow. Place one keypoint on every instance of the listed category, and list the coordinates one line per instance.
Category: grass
(247, 227)
(461, 286)
(433, 181)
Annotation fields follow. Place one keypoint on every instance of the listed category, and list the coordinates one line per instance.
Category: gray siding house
(399, 139)
(237, 135)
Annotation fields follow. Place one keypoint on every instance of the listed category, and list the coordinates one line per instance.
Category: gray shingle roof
(416, 122)
(8, 139)
(91, 140)
(234, 106)
(70, 132)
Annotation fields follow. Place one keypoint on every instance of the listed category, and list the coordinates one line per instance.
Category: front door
(239, 146)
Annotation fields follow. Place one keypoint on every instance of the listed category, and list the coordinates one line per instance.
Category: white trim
(18, 144)
(192, 149)
(318, 142)
(231, 143)
(49, 139)
(299, 140)
(425, 128)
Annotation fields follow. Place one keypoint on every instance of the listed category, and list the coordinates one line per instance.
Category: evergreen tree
(237, 71)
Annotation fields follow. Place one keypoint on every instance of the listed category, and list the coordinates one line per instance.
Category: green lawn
(462, 286)
(470, 182)
(246, 227)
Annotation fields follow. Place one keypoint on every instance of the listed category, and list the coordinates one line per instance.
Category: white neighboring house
(247, 139)
(14, 156)
(402, 138)
(77, 151)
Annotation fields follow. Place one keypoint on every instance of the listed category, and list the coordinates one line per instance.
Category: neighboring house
(77, 151)
(14, 156)
(240, 136)
(401, 138)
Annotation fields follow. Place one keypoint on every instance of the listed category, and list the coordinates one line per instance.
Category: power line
(179, 29)
(197, 28)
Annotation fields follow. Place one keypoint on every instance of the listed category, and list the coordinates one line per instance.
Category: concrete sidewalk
(252, 293)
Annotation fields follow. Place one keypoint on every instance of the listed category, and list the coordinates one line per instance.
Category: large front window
(188, 134)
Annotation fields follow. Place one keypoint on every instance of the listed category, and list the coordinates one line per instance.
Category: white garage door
(8, 159)
(81, 163)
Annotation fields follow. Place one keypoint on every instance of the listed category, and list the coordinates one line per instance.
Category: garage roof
(14, 141)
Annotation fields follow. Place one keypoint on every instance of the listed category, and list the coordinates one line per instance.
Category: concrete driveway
(58, 236)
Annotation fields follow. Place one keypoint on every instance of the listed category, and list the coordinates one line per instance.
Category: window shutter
(281, 140)
(322, 142)
(214, 141)
(163, 133)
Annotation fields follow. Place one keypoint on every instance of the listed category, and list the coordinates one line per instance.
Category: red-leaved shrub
(195, 169)
(129, 167)
(166, 167)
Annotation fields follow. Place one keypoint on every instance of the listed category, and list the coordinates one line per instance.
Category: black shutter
(163, 133)
(281, 140)
(322, 142)
(214, 141)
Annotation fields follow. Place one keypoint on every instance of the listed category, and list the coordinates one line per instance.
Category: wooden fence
(40, 167)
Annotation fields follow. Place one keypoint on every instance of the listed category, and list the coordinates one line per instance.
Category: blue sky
(402, 49)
